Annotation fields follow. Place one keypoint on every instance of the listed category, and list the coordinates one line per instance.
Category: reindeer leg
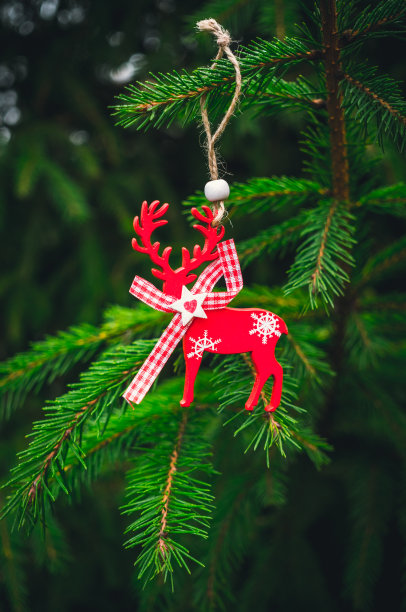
(262, 375)
(192, 368)
(274, 402)
(252, 401)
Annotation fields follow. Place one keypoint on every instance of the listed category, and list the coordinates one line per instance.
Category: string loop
(223, 40)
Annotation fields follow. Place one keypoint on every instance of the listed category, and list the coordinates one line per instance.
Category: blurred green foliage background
(71, 183)
(71, 180)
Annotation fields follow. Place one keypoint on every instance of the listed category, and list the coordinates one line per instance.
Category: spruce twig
(372, 19)
(159, 101)
(57, 433)
(56, 355)
(168, 488)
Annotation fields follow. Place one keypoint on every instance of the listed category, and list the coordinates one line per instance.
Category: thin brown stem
(162, 545)
(362, 331)
(35, 485)
(301, 355)
(336, 122)
(148, 106)
(272, 194)
(319, 262)
(378, 269)
(39, 362)
(316, 103)
(379, 202)
(101, 337)
(350, 35)
(103, 443)
(379, 306)
(304, 442)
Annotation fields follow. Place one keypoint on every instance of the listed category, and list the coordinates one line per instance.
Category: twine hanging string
(223, 40)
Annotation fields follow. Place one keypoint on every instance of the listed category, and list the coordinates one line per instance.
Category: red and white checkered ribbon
(228, 265)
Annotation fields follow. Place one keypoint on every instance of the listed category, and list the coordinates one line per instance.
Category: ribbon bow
(228, 265)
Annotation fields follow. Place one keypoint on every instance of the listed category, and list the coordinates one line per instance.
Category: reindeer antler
(150, 220)
(211, 239)
(144, 229)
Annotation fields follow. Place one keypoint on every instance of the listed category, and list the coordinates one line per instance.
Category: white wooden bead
(215, 191)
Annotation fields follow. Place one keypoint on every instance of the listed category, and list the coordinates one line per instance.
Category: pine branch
(386, 259)
(280, 94)
(46, 360)
(166, 496)
(392, 302)
(320, 258)
(103, 449)
(162, 546)
(234, 380)
(108, 441)
(51, 547)
(372, 491)
(362, 160)
(263, 194)
(13, 573)
(272, 299)
(239, 497)
(321, 251)
(381, 416)
(277, 239)
(315, 145)
(390, 199)
(366, 341)
(97, 392)
(308, 361)
(260, 193)
(307, 440)
(308, 367)
(374, 21)
(66, 194)
(224, 528)
(56, 355)
(176, 95)
(373, 98)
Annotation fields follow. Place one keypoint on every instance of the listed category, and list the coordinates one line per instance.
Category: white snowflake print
(201, 344)
(265, 325)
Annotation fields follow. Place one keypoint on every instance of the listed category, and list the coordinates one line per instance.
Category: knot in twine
(223, 40)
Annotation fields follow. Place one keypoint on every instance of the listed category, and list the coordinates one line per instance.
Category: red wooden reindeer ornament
(201, 317)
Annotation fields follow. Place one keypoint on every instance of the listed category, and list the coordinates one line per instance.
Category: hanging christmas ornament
(201, 317)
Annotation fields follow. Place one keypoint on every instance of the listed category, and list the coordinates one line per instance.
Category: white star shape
(190, 305)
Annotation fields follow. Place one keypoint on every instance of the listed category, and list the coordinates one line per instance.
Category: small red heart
(191, 306)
